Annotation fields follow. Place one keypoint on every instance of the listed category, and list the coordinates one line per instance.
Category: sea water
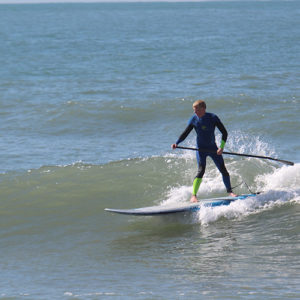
(91, 98)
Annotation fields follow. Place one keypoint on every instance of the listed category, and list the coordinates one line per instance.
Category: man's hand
(220, 151)
(174, 146)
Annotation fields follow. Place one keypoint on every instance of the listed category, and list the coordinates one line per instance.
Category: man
(204, 124)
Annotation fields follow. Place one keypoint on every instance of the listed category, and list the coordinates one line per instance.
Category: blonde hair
(200, 103)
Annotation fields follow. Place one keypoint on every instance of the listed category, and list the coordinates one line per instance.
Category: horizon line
(125, 1)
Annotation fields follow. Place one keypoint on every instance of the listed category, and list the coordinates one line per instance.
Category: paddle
(239, 154)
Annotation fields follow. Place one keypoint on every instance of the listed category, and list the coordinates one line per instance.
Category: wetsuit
(205, 129)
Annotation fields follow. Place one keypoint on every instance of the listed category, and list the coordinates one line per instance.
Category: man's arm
(223, 130)
(183, 135)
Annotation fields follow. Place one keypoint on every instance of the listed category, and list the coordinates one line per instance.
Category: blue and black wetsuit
(205, 129)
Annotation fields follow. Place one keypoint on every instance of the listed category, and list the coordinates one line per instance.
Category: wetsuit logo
(203, 127)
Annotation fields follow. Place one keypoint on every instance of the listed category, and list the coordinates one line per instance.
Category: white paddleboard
(178, 208)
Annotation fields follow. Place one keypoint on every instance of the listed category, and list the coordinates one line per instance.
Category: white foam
(246, 143)
(286, 178)
(280, 186)
(177, 195)
(280, 183)
(243, 208)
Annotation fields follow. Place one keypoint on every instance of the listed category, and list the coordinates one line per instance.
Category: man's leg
(201, 159)
(219, 162)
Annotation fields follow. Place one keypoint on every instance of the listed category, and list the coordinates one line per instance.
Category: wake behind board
(178, 208)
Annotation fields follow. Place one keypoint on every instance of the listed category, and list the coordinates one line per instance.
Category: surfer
(204, 124)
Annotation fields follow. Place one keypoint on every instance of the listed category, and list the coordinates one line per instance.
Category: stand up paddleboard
(179, 208)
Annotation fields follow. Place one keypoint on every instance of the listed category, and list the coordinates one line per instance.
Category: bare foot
(232, 195)
(194, 199)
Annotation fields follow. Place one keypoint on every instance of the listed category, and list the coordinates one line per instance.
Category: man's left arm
(223, 130)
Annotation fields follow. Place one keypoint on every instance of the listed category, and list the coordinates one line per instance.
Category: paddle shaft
(239, 154)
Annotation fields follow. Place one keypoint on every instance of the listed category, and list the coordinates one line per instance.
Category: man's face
(199, 111)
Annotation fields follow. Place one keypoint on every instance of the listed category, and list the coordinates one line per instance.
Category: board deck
(178, 208)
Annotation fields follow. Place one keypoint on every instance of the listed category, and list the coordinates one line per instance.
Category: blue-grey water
(91, 98)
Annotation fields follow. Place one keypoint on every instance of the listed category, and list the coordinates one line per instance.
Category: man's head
(199, 108)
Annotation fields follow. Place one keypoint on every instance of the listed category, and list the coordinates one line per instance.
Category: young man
(204, 124)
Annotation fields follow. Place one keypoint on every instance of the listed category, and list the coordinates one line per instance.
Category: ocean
(91, 98)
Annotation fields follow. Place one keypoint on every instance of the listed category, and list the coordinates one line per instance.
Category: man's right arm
(183, 136)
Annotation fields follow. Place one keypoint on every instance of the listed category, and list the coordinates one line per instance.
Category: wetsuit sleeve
(222, 129)
(185, 134)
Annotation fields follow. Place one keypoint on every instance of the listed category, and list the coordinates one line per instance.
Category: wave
(278, 187)
(55, 197)
(99, 130)
(39, 201)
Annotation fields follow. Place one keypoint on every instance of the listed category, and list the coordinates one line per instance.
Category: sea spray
(277, 183)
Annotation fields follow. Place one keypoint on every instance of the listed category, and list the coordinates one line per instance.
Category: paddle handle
(290, 163)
